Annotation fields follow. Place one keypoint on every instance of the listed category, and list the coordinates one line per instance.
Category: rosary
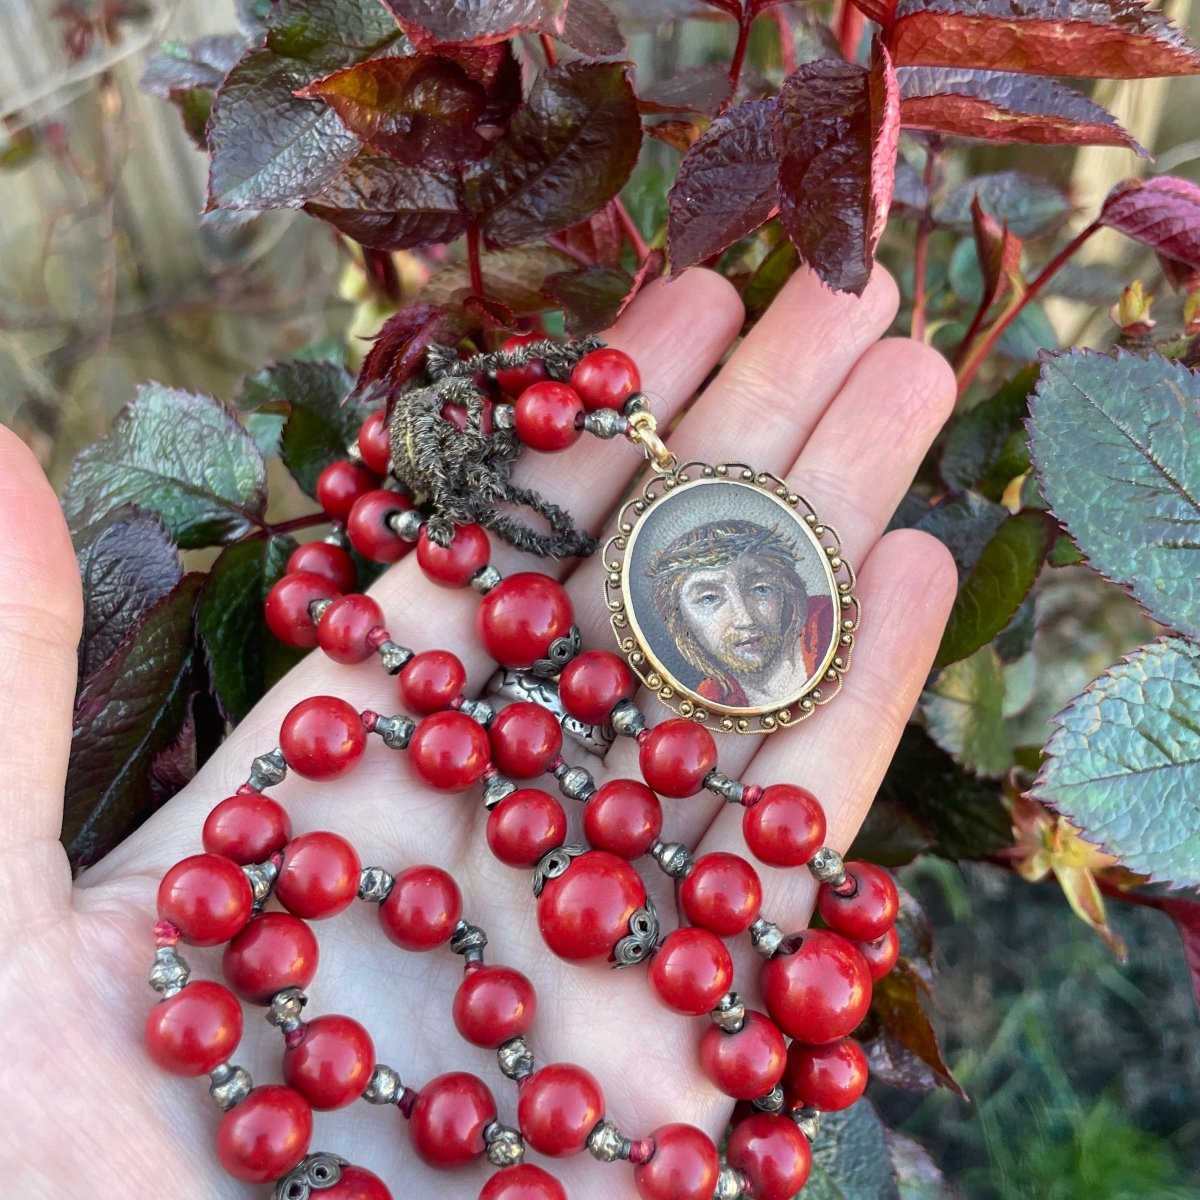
(731, 602)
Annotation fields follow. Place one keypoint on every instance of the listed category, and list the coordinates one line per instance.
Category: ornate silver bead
(520, 685)
(318, 608)
(674, 858)
(496, 787)
(483, 581)
(169, 973)
(285, 1009)
(515, 1058)
(312, 1174)
(262, 878)
(638, 402)
(826, 866)
(505, 1146)
(552, 865)
(267, 770)
(808, 1121)
(558, 654)
(478, 710)
(504, 416)
(729, 1183)
(375, 885)
(229, 1085)
(627, 719)
(396, 731)
(638, 944)
(406, 522)
(384, 1087)
(469, 941)
(765, 936)
(607, 1143)
(576, 783)
(720, 784)
(394, 657)
(606, 423)
(729, 1013)
(771, 1102)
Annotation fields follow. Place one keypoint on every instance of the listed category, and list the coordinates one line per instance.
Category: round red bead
(322, 737)
(817, 986)
(323, 558)
(624, 817)
(557, 1109)
(422, 908)
(319, 877)
(786, 827)
(429, 681)
(341, 484)
(374, 444)
(457, 564)
(881, 953)
(265, 1135)
(207, 898)
(522, 1182)
(869, 911)
(676, 756)
(286, 607)
(494, 1005)
(772, 1154)
(606, 378)
(526, 739)
(195, 1030)
(593, 684)
(548, 416)
(368, 529)
(248, 828)
(748, 1063)
(519, 618)
(344, 626)
(684, 1165)
(450, 751)
(274, 951)
(585, 911)
(448, 1118)
(691, 971)
(829, 1077)
(722, 892)
(514, 380)
(329, 1061)
(357, 1184)
(525, 826)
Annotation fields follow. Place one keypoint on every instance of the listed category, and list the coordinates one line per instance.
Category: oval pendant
(730, 598)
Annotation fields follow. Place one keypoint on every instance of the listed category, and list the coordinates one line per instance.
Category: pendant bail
(643, 431)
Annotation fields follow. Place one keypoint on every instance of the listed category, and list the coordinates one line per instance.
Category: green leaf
(964, 713)
(1124, 763)
(986, 447)
(964, 525)
(179, 454)
(768, 279)
(229, 619)
(850, 1158)
(189, 75)
(1116, 446)
(1030, 207)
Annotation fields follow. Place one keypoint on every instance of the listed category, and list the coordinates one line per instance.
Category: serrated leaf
(600, 239)
(1123, 764)
(398, 352)
(836, 128)
(1162, 213)
(1029, 206)
(591, 298)
(1119, 39)
(727, 185)
(590, 27)
(999, 254)
(850, 1158)
(126, 715)
(566, 153)
(329, 33)
(701, 89)
(1116, 445)
(477, 23)
(963, 709)
(986, 448)
(189, 75)
(179, 454)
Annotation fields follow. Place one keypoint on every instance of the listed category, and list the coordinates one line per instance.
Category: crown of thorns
(719, 543)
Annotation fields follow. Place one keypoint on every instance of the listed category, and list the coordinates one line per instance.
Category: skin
(812, 395)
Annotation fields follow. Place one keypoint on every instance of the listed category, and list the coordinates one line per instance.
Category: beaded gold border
(669, 690)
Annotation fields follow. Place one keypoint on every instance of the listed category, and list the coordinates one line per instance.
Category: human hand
(812, 395)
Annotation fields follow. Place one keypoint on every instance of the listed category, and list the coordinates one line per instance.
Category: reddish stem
(306, 522)
(787, 44)
(917, 330)
(632, 232)
(381, 271)
(739, 57)
(850, 28)
(473, 260)
(548, 49)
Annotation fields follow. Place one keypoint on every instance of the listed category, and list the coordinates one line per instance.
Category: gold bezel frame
(822, 687)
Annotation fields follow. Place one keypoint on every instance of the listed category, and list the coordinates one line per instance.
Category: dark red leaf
(175, 767)
(836, 129)
(591, 28)
(387, 206)
(1002, 106)
(514, 277)
(474, 22)
(189, 76)
(695, 89)
(727, 185)
(590, 298)
(879, 11)
(999, 253)
(398, 352)
(599, 239)
(421, 111)
(1163, 213)
(1096, 39)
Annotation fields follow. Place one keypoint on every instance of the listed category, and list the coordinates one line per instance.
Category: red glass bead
(357, 1184)
(548, 416)
(322, 738)
(817, 986)
(429, 681)
(208, 898)
(319, 877)
(691, 971)
(519, 618)
(593, 683)
(722, 892)
(265, 1135)
(450, 751)
(522, 1182)
(341, 484)
(585, 911)
(869, 911)
(329, 1061)
(606, 378)
(786, 827)
(773, 1155)
(748, 1063)
(684, 1165)
(286, 608)
(422, 908)
(525, 826)
(368, 529)
(881, 954)
(248, 828)
(494, 1005)
(448, 1118)
(514, 380)
(526, 739)
(274, 951)
(457, 564)
(343, 628)
(558, 1107)
(374, 444)
(624, 817)
(323, 558)
(829, 1077)
(676, 757)
(195, 1030)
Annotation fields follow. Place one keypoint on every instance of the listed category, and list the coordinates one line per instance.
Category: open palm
(810, 394)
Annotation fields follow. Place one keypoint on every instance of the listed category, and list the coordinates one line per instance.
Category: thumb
(41, 611)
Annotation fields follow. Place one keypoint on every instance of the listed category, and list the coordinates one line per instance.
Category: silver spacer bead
(469, 941)
(313, 1174)
(396, 731)
(515, 1058)
(169, 973)
(478, 710)
(606, 423)
(229, 1085)
(285, 1008)
(627, 719)
(730, 1184)
(385, 1085)
(394, 657)
(504, 416)
(576, 783)
(638, 402)
(337, 536)
(808, 1121)
(484, 580)
(607, 1143)
(558, 654)
(318, 608)
(406, 522)
(262, 878)
(729, 1013)
(674, 858)
(375, 885)
(720, 784)
(765, 936)
(505, 1146)
(639, 943)
(826, 866)
(496, 787)
(267, 770)
(771, 1102)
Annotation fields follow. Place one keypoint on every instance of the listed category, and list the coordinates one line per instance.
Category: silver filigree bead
(505, 1146)
(721, 784)
(607, 1143)
(808, 1121)
(318, 608)
(558, 654)
(826, 866)
(469, 941)
(504, 416)
(394, 657)
(267, 770)
(285, 1008)
(765, 936)
(229, 1085)
(638, 944)
(729, 1013)
(375, 885)
(385, 1085)
(730, 1184)
(496, 787)
(552, 865)
(674, 858)
(396, 731)
(606, 423)
(771, 1102)
(638, 402)
(627, 719)
(406, 523)
(262, 878)
(485, 579)
(169, 972)
(314, 1173)
(478, 710)
(515, 1058)
(576, 783)
(595, 739)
